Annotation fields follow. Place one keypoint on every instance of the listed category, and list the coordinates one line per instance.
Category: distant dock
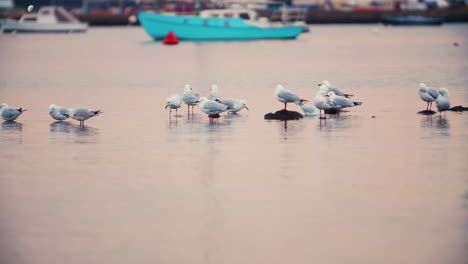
(312, 17)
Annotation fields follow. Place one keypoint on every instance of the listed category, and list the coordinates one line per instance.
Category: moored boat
(222, 24)
(49, 19)
(412, 20)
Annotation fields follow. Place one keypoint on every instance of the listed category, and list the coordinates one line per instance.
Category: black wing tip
(97, 112)
(357, 103)
(348, 95)
(303, 100)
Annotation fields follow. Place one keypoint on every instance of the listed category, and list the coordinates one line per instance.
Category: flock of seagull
(326, 98)
(56, 112)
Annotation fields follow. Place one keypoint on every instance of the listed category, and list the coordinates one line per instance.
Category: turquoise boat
(215, 28)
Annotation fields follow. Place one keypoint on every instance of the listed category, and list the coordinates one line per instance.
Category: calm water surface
(135, 186)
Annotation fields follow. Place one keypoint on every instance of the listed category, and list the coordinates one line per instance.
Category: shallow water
(135, 186)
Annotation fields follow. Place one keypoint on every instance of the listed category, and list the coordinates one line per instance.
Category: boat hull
(13, 26)
(197, 28)
(412, 21)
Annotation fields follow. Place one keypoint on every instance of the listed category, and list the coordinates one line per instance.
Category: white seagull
(307, 109)
(82, 114)
(10, 114)
(190, 98)
(443, 101)
(58, 113)
(340, 102)
(213, 94)
(211, 108)
(322, 102)
(286, 96)
(173, 102)
(428, 95)
(235, 105)
(326, 87)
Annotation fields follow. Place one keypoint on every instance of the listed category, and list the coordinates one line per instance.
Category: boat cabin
(49, 15)
(245, 14)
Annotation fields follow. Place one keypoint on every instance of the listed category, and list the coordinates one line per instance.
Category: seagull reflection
(11, 132)
(443, 126)
(11, 126)
(60, 126)
(335, 124)
(68, 132)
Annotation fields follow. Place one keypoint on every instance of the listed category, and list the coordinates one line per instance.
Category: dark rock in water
(458, 108)
(284, 115)
(427, 112)
(331, 111)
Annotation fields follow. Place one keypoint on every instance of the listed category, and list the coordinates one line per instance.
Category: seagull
(213, 94)
(82, 114)
(307, 109)
(58, 113)
(286, 96)
(443, 101)
(428, 95)
(190, 98)
(326, 87)
(173, 102)
(10, 114)
(212, 108)
(340, 102)
(322, 102)
(235, 105)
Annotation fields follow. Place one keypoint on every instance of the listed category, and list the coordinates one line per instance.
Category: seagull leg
(285, 106)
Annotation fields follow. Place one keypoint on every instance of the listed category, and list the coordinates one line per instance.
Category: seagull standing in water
(82, 114)
(341, 102)
(211, 108)
(173, 102)
(10, 114)
(58, 113)
(286, 96)
(326, 87)
(235, 105)
(322, 102)
(443, 101)
(190, 98)
(213, 94)
(428, 95)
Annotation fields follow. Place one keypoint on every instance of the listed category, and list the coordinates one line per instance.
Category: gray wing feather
(433, 93)
(64, 112)
(82, 112)
(10, 113)
(336, 91)
(343, 102)
(289, 96)
(228, 102)
(215, 106)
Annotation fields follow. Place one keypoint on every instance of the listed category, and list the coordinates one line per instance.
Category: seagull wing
(433, 93)
(288, 96)
(341, 101)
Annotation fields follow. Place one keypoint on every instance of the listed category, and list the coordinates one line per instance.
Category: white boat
(53, 19)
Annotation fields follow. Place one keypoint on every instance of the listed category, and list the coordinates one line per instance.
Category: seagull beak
(319, 84)
(247, 108)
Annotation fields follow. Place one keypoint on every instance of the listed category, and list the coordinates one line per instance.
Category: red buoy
(170, 39)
